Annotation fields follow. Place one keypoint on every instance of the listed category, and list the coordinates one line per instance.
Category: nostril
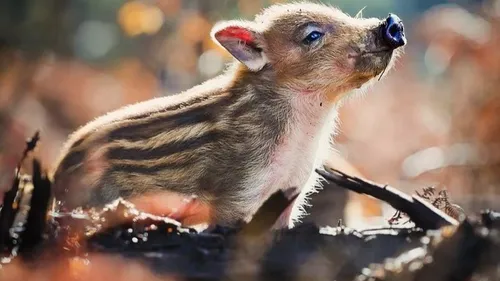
(393, 31)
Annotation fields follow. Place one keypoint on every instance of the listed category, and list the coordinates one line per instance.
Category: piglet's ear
(242, 41)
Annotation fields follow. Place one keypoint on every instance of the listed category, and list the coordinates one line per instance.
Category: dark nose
(393, 32)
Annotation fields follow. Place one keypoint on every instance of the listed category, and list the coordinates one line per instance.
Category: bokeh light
(138, 18)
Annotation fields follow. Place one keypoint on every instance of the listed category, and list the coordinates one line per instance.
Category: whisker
(360, 13)
(382, 74)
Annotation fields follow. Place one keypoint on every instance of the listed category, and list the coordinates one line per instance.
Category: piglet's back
(137, 147)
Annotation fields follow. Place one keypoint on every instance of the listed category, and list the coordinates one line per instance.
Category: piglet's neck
(311, 107)
(310, 103)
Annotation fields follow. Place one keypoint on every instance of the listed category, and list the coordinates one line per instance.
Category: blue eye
(313, 36)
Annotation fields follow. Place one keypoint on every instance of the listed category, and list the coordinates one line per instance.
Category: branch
(421, 212)
(12, 199)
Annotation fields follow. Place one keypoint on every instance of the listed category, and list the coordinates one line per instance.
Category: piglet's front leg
(285, 217)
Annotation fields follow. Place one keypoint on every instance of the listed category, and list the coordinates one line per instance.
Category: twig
(36, 221)
(12, 199)
(421, 212)
(7, 215)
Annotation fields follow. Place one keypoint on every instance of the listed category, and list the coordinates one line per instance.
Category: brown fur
(210, 139)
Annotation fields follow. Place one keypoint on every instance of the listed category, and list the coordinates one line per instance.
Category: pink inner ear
(236, 32)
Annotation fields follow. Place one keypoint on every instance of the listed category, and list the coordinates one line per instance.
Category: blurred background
(430, 122)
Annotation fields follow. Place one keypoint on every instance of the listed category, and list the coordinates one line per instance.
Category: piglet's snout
(392, 32)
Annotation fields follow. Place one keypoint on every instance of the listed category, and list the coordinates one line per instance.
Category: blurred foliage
(88, 30)
(169, 36)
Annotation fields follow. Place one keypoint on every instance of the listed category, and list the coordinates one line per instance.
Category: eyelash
(312, 37)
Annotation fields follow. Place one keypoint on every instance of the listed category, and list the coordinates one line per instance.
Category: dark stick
(12, 198)
(30, 146)
(36, 220)
(8, 214)
(422, 213)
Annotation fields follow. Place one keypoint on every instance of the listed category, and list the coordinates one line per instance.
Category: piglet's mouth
(377, 51)
(381, 51)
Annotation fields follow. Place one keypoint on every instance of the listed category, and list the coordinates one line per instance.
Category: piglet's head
(313, 47)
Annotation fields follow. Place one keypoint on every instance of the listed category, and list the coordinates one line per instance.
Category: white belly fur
(304, 148)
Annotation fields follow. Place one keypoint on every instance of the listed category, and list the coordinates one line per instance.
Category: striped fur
(209, 144)
(234, 140)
